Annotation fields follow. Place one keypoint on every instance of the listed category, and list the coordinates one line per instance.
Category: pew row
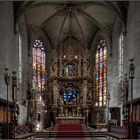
(23, 132)
(119, 132)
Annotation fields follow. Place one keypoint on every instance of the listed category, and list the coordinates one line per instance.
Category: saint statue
(54, 67)
(69, 70)
(54, 64)
(86, 64)
(85, 67)
(60, 101)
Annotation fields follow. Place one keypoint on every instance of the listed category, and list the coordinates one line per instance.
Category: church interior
(69, 70)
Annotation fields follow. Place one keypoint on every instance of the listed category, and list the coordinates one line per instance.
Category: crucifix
(69, 34)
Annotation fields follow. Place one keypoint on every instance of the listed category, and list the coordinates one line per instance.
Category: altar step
(99, 134)
(70, 134)
(54, 134)
(41, 134)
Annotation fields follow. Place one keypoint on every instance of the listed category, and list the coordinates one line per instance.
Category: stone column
(55, 92)
(60, 62)
(60, 67)
(85, 113)
(54, 110)
(84, 92)
(84, 106)
(55, 99)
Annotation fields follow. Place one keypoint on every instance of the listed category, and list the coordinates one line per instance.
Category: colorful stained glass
(101, 73)
(39, 71)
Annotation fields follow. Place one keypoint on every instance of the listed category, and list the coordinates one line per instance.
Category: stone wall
(25, 60)
(113, 69)
(132, 49)
(9, 56)
(8, 46)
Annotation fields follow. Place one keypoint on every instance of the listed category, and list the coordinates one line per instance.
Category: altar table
(70, 120)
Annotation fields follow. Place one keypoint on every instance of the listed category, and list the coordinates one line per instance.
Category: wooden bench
(23, 132)
(119, 132)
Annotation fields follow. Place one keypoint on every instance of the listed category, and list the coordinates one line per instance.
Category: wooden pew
(119, 132)
(23, 132)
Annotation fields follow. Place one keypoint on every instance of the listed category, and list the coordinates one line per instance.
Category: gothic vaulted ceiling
(78, 19)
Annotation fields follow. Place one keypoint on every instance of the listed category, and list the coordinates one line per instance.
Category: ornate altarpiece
(71, 80)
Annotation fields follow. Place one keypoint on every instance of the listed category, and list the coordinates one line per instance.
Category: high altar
(70, 84)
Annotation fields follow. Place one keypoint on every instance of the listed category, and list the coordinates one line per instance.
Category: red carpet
(71, 132)
(70, 127)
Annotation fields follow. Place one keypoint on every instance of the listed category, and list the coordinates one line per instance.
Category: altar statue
(86, 65)
(73, 112)
(66, 112)
(78, 111)
(60, 100)
(70, 69)
(61, 111)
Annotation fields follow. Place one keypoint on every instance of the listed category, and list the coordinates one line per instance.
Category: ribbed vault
(62, 19)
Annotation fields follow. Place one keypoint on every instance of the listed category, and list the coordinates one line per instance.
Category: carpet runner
(70, 127)
(70, 132)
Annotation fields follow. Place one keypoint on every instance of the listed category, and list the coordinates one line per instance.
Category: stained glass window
(101, 73)
(38, 52)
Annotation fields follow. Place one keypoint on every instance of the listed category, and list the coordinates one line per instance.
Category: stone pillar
(85, 107)
(60, 62)
(55, 92)
(38, 112)
(54, 110)
(85, 113)
(60, 67)
(84, 92)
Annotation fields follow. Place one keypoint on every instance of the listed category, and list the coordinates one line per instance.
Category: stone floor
(85, 138)
(99, 138)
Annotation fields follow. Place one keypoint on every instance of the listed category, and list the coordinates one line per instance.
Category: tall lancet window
(121, 57)
(20, 58)
(101, 73)
(38, 65)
